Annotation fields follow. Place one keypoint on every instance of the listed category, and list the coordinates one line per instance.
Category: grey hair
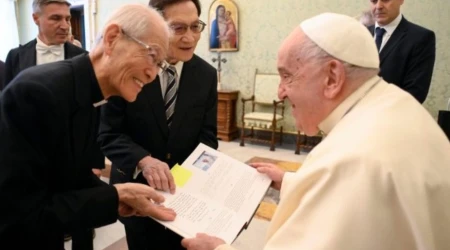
(38, 4)
(133, 19)
(309, 51)
(366, 18)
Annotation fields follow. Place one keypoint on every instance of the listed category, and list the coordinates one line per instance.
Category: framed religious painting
(223, 26)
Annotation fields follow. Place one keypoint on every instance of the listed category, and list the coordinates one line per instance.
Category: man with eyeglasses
(49, 119)
(170, 117)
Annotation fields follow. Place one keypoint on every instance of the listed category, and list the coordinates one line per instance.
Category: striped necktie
(170, 97)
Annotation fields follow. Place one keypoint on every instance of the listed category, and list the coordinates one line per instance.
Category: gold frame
(231, 42)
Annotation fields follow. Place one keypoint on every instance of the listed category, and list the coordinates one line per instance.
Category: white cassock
(379, 180)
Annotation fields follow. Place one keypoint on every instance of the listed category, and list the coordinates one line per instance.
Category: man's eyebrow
(60, 16)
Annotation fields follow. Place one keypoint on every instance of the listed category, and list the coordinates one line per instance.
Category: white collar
(390, 27)
(41, 43)
(342, 109)
(178, 67)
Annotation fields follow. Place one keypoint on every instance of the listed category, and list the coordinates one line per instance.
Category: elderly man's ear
(335, 79)
(111, 37)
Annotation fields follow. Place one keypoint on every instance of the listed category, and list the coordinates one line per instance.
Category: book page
(215, 194)
(195, 215)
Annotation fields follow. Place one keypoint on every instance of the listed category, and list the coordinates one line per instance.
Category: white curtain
(9, 33)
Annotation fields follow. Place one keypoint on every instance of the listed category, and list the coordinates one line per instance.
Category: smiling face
(385, 11)
(53, 22)
(131, 65)
(182, 46)
(302, 83)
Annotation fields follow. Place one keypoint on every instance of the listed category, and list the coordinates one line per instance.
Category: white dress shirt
(48, 53)
(163, 77)
(390, 28)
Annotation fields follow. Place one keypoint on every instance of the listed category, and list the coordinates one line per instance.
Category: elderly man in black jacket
(48, 126)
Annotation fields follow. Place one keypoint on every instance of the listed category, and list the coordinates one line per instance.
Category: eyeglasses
(153, 51)
(181, 28)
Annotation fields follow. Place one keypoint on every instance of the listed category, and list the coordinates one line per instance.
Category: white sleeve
(225, 247)
(352, 205)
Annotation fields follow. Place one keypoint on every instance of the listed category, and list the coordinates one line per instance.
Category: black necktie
(171, 93)
(379, 32)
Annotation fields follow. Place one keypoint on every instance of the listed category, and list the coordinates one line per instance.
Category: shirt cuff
(137, 171)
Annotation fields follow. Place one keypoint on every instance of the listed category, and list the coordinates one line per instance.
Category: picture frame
(223, 26)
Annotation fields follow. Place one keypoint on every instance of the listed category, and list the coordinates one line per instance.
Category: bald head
(139, 21)
(132, 47)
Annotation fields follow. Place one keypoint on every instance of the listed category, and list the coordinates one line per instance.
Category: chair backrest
(266, 87)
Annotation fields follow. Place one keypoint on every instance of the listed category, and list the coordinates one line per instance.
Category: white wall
(263, 24)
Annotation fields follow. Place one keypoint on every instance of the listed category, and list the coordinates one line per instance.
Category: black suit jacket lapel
(184, 98)
(85, 118)
(372, 30)
(153, 94)
(81, 94)
(394, 40)
(27, 55)
(70, 51)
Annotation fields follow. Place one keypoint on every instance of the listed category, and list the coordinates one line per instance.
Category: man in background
(170, 117)
(407, 51)
(366, 18)
(72, 39)
(49, 119)
(53, 20)
(369, 184)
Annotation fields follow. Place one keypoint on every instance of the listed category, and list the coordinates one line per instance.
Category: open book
(216, 195)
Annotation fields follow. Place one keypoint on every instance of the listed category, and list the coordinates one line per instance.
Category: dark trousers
(147, 234)
(82, 240)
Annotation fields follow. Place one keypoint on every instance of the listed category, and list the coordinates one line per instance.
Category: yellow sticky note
(180, 175)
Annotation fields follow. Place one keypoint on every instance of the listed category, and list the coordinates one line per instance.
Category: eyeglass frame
(186, 26)
(163, 65)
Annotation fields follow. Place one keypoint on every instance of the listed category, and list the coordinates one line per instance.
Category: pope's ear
(335, 80)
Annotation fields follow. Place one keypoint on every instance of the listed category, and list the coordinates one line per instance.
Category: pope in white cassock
(380, 179)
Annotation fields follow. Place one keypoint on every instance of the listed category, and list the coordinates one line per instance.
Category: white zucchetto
(344, 38)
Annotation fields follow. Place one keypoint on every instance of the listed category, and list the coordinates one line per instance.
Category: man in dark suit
(407, 51)
(146, 138)
(53, 20)
(48, 130)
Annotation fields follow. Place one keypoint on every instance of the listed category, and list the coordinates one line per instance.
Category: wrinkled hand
(97, 172)
(142, 200)
(202, 242)
(125, 210)
(157, 174)
(273, 171)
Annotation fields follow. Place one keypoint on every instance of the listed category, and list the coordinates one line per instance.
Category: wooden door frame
(90, 13)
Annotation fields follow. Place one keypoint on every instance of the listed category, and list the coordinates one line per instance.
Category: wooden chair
(267, 111)
(306, 142)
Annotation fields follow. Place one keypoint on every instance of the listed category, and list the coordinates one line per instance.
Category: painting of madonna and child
(223, 26)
